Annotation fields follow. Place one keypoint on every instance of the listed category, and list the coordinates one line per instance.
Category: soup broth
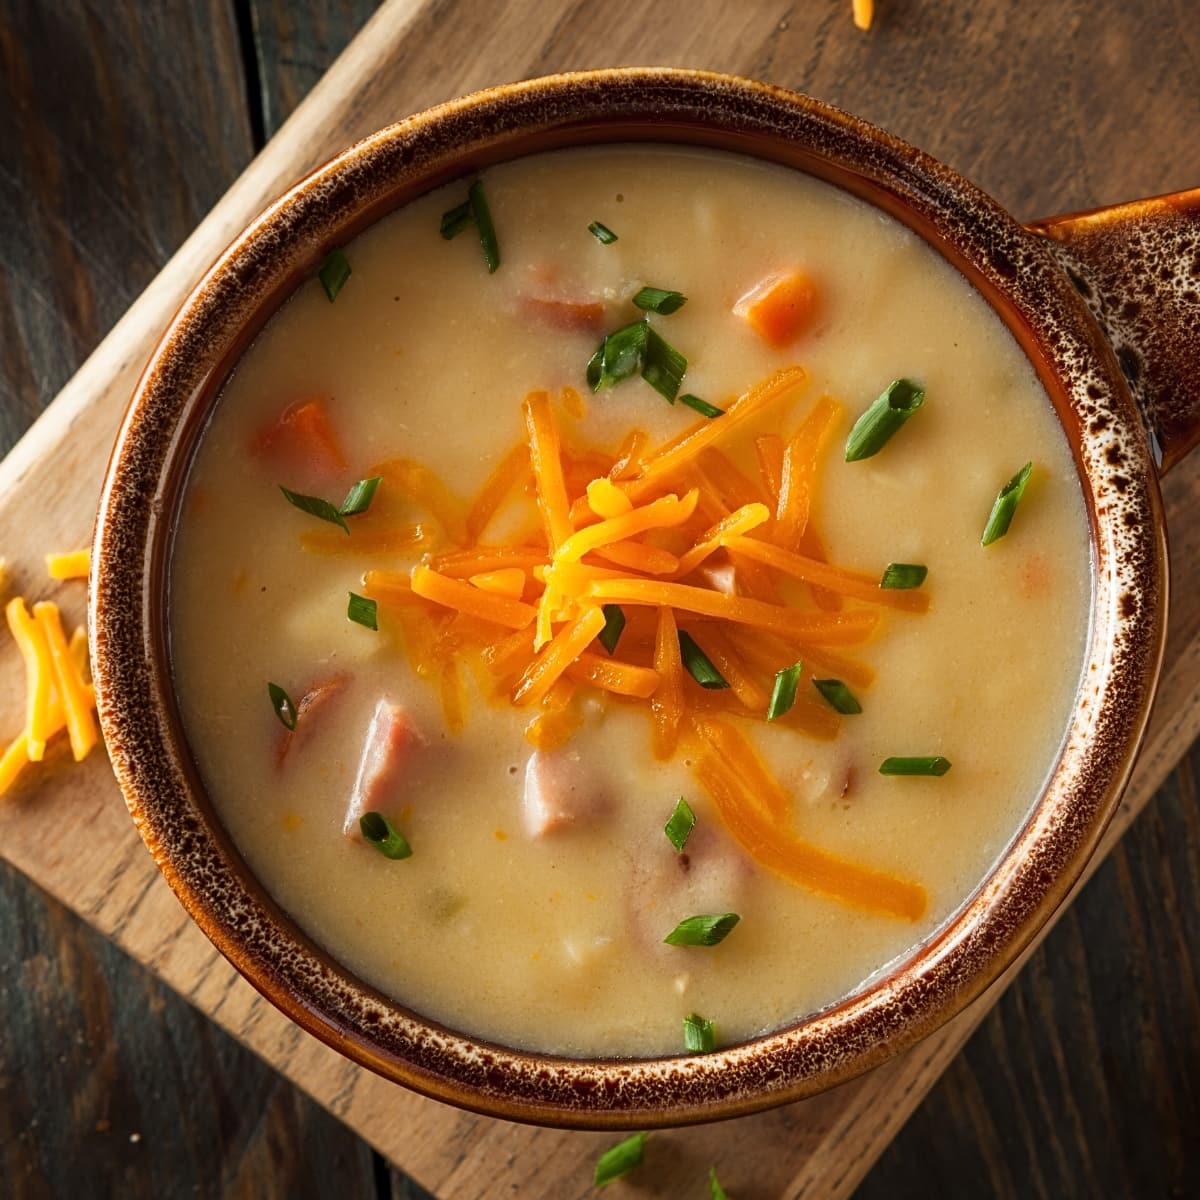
(541, 886)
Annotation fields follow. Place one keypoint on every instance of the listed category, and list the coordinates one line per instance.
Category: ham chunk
(383, 767)
(561, 792)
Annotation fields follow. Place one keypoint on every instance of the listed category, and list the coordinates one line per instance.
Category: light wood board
(68, 829)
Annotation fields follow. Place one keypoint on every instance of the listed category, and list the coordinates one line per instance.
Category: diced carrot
(666, 703)
(780, 307)
(585, 315)
(511, 470)
(302, 439)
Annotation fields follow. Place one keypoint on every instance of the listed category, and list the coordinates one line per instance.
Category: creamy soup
(530, 767)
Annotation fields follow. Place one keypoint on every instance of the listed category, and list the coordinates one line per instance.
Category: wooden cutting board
(67, 828)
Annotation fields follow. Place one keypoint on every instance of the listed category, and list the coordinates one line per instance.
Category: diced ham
(560, 793)
(308, 708)
(721, 579)
(383, 767)
(585, 315)
(302, 443)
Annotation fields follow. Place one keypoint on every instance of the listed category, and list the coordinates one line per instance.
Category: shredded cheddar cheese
(75, 564)
(710, 533)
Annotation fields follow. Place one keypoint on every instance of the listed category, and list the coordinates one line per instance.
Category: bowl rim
(1034, 874)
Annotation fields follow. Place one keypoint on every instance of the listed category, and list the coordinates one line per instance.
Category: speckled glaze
(1013, 268)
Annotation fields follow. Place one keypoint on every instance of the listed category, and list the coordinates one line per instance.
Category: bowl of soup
(627, 598)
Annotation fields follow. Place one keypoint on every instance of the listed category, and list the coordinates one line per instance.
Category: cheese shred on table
(58, 693)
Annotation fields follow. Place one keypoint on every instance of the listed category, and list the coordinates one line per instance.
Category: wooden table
(122, 124)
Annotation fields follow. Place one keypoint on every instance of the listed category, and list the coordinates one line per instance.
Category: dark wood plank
(1083, 1081)
(122, 124)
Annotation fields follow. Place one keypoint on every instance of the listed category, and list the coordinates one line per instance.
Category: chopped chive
(281, 702)
(377, 829)
(715, 1190)
(701, 406)
(602, 233)
(358, 498)
(659, 300)
(362, 611)
(699, 666)
(1006, 505)
(334, 272)
(315, 507)
(619, 1159)
(614, 625)
(487, 231)
(455, 220)
(702, 930)
(903, 576)
(679, 827)
(935, 765)
(839, 695)
(664, 365)
(783, 694)
(620, 356)
(890, 410)
(699, 1035)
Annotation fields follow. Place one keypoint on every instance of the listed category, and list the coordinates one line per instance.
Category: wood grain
(414, 54)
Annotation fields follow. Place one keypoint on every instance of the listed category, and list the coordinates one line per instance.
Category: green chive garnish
(891, 409)
(699, 666)
(614, 625)
(839, 695)
(681, 824)
(619, 1159)
(281, 702)
(701, 406)
(633, 348)
(602, 233)
(702, 931)
(783, 694)
(377, 829)
(699, 1035)
(334, 272)
(456, 220)
(620, 356)
(487, 231)
(358, 498)
(664, 365)
(659, 300)
(715, 1190)
(363, 611)
(1006, 505)
(935, 765)
(315, 507)
(903, 576)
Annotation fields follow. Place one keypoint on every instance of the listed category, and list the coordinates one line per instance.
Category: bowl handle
(1137, 266)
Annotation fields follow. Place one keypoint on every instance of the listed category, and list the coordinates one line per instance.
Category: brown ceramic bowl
(1132, 265)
